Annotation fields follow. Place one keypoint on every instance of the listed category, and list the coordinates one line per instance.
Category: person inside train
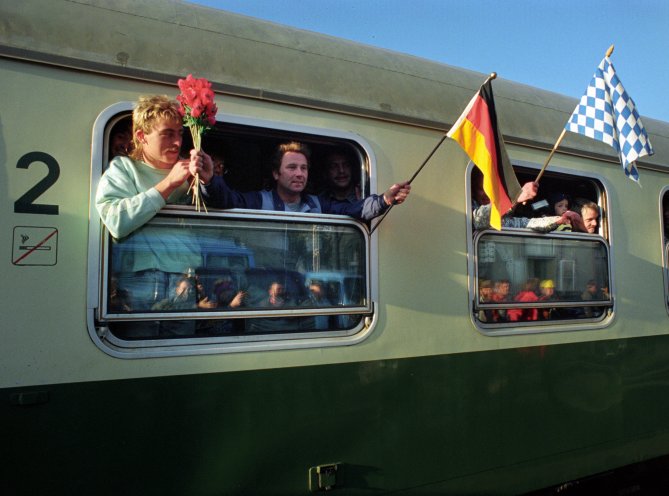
(226, 295)
(134, 188)
(559, 204)
(547, 288)
(501, 294)
(318, 298)
(184, 297)
(528, 294)
(593, 293)
(290, 171)
(278, 298)
(201, 297)
(218, 164)
(119, 298)
(120, 138)
(485, 296)
(590, 216)
(132, 191)
(339, 176)
(481, 209)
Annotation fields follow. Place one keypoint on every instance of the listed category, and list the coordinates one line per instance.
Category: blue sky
(554, 45)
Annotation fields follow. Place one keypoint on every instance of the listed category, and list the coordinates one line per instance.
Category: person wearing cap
(547, 288)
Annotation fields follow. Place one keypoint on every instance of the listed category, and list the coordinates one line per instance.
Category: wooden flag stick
(434, 150)
(550, 156)
(492, 75)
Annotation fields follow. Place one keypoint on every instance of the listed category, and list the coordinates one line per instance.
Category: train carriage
(402, 382)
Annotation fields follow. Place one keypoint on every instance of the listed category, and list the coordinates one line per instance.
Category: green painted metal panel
(479, 423)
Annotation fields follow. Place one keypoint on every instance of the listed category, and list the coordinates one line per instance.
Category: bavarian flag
(477, 133)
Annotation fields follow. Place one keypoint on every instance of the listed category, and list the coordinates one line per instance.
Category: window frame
(533, 327)
(664, 246)
(180, 212)
(99, 240)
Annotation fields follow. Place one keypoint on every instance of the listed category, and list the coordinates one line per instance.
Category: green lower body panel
(503, 422)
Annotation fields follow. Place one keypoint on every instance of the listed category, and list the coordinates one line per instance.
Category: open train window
(229, 280)
(537, 274)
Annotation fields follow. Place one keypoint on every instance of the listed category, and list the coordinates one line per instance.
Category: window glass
(569, 278)
(198, 270)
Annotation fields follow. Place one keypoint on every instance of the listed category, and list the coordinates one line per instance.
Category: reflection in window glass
(180, 277)
(522, 278)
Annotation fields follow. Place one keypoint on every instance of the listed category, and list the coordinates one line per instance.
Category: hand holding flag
(476, 131)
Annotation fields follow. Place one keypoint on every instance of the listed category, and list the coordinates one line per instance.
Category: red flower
(197, 103)
(197, 107)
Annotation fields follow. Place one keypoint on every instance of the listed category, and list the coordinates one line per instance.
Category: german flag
(477, 133)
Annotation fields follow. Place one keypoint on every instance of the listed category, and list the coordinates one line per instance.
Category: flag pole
(550, 155)
(492, 75)
(562, 135)
(434, 150)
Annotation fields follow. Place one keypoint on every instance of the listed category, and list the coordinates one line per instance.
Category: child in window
(559, 204)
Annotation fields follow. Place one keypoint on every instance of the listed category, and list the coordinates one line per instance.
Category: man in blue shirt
(291, 173)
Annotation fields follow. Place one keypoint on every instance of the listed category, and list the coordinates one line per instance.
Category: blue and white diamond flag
(608, 114)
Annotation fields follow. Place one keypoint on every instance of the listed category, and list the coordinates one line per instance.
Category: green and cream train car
(407, 380)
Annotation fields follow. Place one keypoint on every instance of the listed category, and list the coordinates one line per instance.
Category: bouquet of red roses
(199, 113)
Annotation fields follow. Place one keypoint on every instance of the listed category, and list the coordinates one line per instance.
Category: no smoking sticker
(35, 245)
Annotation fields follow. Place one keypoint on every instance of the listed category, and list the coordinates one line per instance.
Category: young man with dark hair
(290, 171)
